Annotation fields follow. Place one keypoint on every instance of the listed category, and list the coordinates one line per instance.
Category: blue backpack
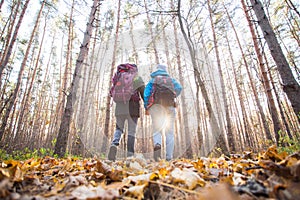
(123, 89)
(163, 91)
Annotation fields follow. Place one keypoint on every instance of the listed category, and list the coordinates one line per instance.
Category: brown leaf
(113, 174)
(278, 169)
(103, 167)
(273, 155)
(295, 171)
(218, 191)
(290, 191)
(5, 187)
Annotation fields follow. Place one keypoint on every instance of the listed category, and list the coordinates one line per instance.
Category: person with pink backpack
(127, 90)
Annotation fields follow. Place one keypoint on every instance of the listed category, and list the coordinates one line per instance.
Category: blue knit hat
(161, 67)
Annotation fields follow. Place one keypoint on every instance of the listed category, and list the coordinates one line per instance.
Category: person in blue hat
(160, 102)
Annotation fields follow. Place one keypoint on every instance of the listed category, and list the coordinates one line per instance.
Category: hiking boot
(129, 154)
(157, 152)
(112, 152)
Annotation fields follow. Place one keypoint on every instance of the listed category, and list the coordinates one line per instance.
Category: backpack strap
(151, 97)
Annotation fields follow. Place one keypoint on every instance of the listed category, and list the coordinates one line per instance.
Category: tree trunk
(289, 84)
(1, 3)
(151, 33)
(184, 105)
(226, 106)
(45, 104)
(21, 137)
(220, 140)
(64, 130)
(11, 44)
(77, 143)
(274, 114)
(3, 65)
(292, 6)
(244, 122)
(280, 106)
(236, 123)
(10, 22)
(265, 79)
(108, 100)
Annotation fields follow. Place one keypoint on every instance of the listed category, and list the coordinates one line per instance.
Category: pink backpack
(122, 89)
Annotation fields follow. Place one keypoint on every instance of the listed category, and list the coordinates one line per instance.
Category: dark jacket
(133, 106)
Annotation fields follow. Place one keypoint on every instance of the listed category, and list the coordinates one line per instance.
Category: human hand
(147, 112)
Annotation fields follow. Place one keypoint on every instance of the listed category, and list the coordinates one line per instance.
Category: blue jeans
(163, 119)
(132, 123)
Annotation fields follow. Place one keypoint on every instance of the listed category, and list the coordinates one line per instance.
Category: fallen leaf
(188, 177)
(90, 192)
(141, 178)
(136, 191)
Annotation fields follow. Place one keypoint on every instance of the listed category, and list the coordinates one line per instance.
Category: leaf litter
(246, 176)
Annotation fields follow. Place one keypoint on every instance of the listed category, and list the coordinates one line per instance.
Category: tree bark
(10, 23)
(1, 3)
(265, 79)
(226, 106)
(220, 140)
(11, 44)
(108, 100)
(3, 65)
(185, 118)
(151, 33)
(64, 130)
(244, 122)
(289, 84)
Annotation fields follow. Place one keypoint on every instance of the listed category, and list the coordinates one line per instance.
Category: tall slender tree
(153, 40)
(112, 68)
(12, 42)
(184, 118)
(220, 140)
(289, 83)
(10, 26)
(3, 65)
(28, 93)
(64, 130)
(225, 101)
(265, 79)
(1, 3)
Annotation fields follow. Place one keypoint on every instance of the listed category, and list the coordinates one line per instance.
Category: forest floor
(247, 176)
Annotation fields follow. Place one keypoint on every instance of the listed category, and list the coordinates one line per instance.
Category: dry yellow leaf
(136, 191)
(163, 172)
(188, 177)
(141, 178)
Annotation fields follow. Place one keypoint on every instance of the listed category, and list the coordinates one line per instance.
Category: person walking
(159, 101)
(127, 91)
